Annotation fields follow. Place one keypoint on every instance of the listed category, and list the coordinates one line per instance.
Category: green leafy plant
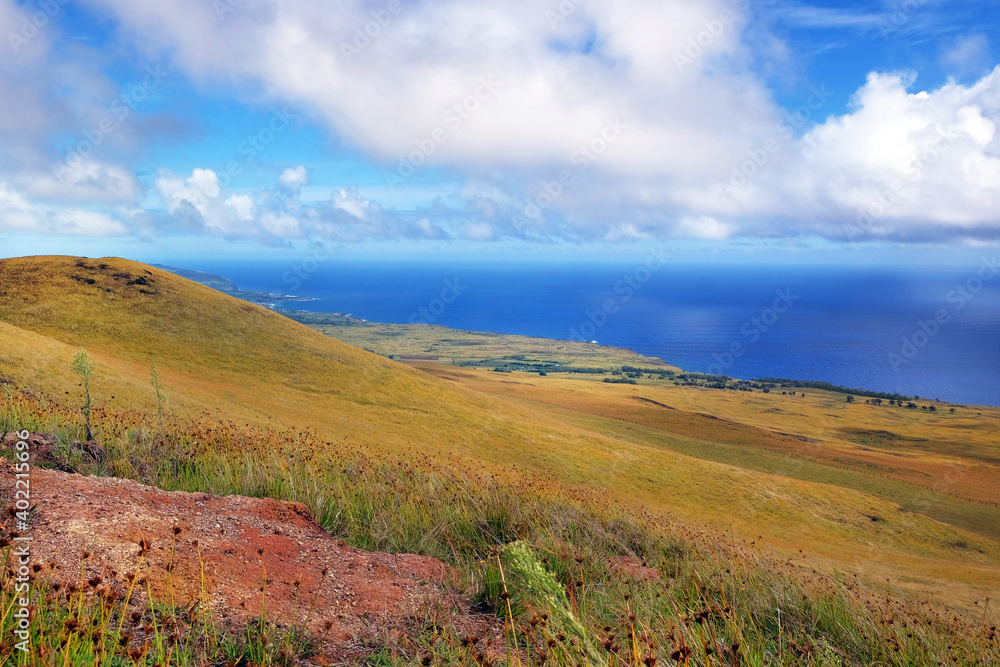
(84, 366)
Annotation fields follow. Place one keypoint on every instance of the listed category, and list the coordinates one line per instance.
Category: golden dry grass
(256, 367)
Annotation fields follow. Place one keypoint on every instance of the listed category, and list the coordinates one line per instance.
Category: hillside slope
(249, 365)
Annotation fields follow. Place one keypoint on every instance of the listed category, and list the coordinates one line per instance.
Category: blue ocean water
(932, 333)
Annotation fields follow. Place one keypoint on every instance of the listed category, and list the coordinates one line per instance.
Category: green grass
(472, 348)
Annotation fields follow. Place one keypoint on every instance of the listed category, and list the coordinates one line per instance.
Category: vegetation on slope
(644, 590)
(389, 457)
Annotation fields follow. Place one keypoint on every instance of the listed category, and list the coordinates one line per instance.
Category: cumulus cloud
(902, 164)
(19, 214)
(478, 84)
(272, 215)
(528, 89)
(84, 180)
(294, 179)
(243, 205)
(60, 172)
(610, 119)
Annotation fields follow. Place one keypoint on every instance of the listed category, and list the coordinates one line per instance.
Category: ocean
(933, 333)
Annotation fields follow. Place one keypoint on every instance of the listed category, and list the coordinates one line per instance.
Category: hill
(451, 462)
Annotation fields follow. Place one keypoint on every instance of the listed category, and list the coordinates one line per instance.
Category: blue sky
(731, 130)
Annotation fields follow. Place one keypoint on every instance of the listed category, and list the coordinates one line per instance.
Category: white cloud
(200, 203)
(704, 227)
(479, 231)
(11, 201)
(244, 206)
(498, 87)
(823, 17)
(647, 105)
(197, 190)
(19, 214)
(281, 225)
(918, 163)
(968, 54)
(294, 179)
(85, 180)
(487, 76)
(354, 204)
(197, 202)
(53, 104)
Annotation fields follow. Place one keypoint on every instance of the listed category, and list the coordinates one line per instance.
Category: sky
(730, 130)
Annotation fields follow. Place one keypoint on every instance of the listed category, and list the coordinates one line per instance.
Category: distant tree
(542, 373)
(850, 398)
(84, 366)
(932, 408)
(952, 411)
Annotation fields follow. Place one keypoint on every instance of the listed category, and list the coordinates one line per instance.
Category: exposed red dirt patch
(233, 541)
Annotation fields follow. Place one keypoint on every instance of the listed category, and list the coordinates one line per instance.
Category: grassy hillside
(652, 453)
